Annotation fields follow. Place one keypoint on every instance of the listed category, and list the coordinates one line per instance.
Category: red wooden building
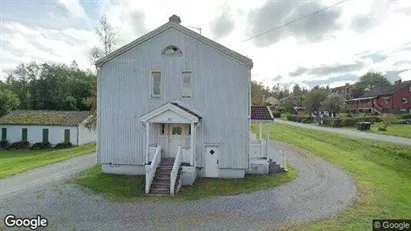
(395, 99)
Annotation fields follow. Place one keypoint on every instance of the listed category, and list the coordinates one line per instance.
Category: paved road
(45, 175)
(343, 131)
(321, 191)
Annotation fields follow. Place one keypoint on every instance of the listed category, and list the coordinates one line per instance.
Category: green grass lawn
(401, 130)
(17, 161)
(120, 187)
(382, 173)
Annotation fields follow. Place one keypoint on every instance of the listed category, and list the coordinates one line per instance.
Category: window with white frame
(404, 100)
(155, 84)
(162, 129)
(387, 100)
(187, 81)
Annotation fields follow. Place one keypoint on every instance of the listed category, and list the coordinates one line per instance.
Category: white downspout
(195, 144)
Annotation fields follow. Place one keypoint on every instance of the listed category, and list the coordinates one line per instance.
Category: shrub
(388, 119)
(406, 116)
(19, 145)
(277, 114)
(300, 119)
(40, 145)
(63, 145)
(382, 129)
(346, 122)
(371, 119)
(375, 113)
(291, 118)
(4, 144)
(345, 115)
(306, 119)
(332, 122)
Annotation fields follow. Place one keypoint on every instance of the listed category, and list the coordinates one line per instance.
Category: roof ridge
(136, 42)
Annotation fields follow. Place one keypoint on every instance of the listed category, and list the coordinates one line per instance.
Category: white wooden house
(54, 127)
(174, 97)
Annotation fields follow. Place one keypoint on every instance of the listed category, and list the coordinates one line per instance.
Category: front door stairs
(161, 181)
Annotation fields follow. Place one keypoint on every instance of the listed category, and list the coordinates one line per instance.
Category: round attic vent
(172, 51)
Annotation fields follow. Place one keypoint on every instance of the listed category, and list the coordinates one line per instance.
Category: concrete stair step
(162, 178)
(165, 191)
(160, 184)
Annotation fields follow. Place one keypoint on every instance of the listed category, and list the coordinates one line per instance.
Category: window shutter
(4, 134)
(45, 135)
(66, 135)
(24, 134)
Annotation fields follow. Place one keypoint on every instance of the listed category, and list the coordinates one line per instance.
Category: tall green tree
(334, 103)
(314, 98)
(51, 86)
(372, 80)
(297, 91)
(8, 101)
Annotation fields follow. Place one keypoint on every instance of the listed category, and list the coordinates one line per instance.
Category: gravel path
(50, 173)
(321, 191)
(344, 131)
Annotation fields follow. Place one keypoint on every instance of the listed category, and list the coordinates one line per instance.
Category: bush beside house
(300, 119)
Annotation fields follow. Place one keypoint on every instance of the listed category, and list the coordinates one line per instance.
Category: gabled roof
(187, 110)
(176, 108)
(182, 29)
(288, 97)
(261, 113)
(385, 90)
(44, 117)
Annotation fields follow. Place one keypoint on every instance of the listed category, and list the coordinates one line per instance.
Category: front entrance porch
(170, 135)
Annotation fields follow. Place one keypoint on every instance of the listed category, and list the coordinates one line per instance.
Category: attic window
(172, 51)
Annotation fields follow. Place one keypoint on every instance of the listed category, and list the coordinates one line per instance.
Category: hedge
(18, 145)
(40, 145)
(4, 144)
(63, 145)
(277, 114)
(332, 122)
(300, 119)
(353, 120)
(406, 116)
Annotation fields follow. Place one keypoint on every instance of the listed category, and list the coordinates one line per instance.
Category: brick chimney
(174, 18)
(398, 82)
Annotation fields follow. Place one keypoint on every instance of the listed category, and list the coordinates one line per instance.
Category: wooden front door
(175, 138)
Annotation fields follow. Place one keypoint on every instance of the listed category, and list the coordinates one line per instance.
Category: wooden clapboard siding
(220, 93)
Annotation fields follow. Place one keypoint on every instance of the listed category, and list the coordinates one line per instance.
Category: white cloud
(132, 19)
(74, 8)
(24, 44)
(406, 75)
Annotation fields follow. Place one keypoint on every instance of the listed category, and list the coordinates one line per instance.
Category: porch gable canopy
(261, 114)
(171, 113)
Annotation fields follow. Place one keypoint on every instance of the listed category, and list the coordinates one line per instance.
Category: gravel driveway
(321, 191)
(347, 132)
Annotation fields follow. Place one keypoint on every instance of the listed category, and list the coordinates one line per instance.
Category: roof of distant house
(261, 113)
(285, 98)
(299, 108)
(44, 117)
(385, 90)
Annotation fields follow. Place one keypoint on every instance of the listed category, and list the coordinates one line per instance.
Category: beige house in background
(271, 101)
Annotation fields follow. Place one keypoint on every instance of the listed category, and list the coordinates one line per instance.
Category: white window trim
(406, 99)
(191, 84)
(152, 82)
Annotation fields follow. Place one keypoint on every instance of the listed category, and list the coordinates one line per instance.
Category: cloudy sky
(332, 47)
